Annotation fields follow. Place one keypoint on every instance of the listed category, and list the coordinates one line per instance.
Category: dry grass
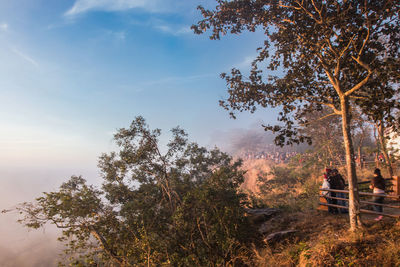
(324, 240)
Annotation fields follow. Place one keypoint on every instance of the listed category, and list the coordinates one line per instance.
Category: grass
(324, 240)
(321, 239)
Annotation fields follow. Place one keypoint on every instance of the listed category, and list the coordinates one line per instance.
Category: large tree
(328, 52)
(177, 208)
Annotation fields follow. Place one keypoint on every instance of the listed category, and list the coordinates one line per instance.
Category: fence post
(396, 186)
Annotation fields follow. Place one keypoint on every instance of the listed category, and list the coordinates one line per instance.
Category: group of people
(333, 180)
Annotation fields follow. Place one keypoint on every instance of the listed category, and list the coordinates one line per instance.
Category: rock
(265, 227)
(279, 235)
(261, 215)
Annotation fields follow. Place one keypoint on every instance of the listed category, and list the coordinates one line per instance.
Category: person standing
(331, 183)
(378, 187)
(339, 183)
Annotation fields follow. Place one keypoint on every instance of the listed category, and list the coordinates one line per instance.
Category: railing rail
(362, 210)
(360, 193)
(394, 196)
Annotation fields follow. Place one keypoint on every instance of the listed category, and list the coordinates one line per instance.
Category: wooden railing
(394, 196)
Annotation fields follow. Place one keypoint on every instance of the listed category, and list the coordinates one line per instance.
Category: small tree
(179, 208)
(328, 50)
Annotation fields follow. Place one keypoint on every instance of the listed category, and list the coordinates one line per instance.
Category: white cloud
(83, 6)
(3, 27)
(24, 57)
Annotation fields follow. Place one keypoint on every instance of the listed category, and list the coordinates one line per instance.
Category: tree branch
(358, 86)
(104, 244)
(320, 119)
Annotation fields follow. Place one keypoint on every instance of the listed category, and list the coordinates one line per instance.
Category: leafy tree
(329, 51)
(178, 208)
(326, 135)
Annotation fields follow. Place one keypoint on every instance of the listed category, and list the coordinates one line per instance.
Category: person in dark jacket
(378, 187)
(339, 183)
(332, 185)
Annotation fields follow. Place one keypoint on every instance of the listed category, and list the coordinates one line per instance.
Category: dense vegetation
(178, 208)
(185, 207)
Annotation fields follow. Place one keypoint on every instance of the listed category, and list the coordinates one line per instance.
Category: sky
(72, 72)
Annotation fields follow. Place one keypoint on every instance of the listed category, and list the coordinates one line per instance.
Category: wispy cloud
(3, 27)
(174, 30)
(178, 79)
(246, 62)
(83, 6)
(119, 35)
(25, 57)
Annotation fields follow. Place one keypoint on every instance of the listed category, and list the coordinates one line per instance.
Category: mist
(20, 246)
(253, 139)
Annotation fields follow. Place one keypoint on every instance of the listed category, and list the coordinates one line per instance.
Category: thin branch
(358, 97)
(330, 105)
(362, 64)
(316, 9)
(309, 13)
(320, 119)
(292, 7)
(364, 42)
(347, 46)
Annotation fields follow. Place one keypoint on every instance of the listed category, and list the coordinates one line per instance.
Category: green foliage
(178, 208)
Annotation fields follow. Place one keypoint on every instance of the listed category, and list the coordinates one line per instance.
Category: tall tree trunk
(382, 141)
(354, 200)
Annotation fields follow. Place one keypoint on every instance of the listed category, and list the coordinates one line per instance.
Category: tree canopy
(178, 208)
(331, 53)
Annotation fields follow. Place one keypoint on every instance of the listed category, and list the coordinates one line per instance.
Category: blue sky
(73, 71)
